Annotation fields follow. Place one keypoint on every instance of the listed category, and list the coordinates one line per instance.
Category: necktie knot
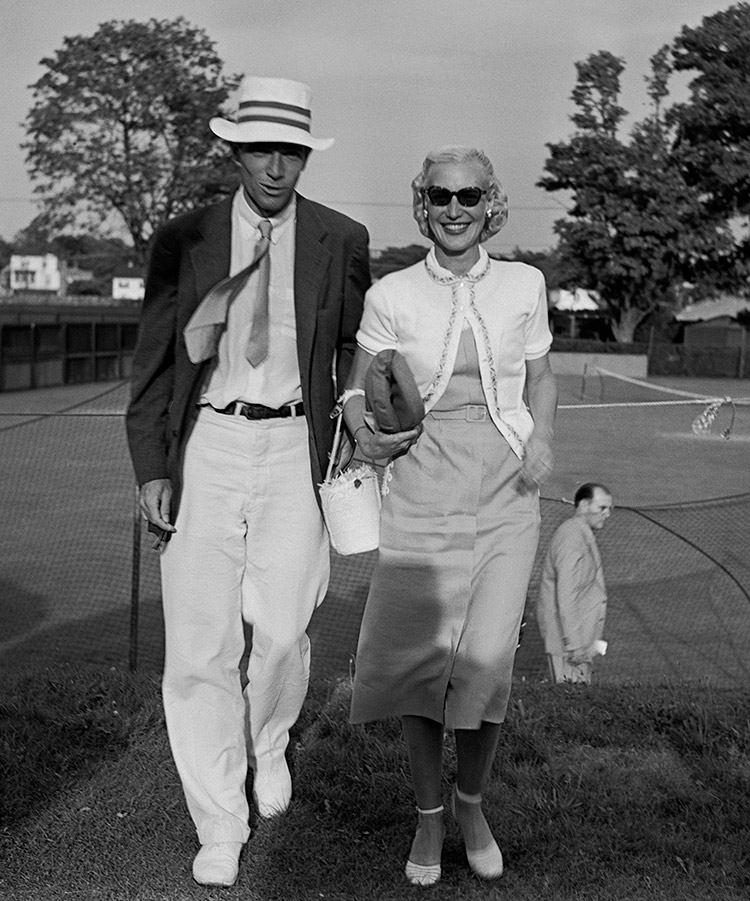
(265, 228)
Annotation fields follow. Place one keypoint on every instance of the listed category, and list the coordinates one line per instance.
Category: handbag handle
(333, 456)
(338, 413)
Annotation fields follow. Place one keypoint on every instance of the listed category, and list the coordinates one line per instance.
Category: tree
(636, 229)
(6, 251)
(35, 238)
(548, 261)
(394, 258)
(713, 126)
(118, 127)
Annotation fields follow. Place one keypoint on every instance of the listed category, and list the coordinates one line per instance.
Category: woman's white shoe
(487, 862)
(423, 874)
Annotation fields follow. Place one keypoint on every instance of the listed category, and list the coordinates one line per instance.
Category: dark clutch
(392, 394)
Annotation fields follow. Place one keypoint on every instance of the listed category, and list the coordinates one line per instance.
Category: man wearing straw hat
(251, 310)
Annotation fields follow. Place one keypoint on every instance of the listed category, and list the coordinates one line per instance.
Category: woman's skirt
(442, 619)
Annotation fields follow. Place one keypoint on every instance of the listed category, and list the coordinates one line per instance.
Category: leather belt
(469, 413)
(260, 411)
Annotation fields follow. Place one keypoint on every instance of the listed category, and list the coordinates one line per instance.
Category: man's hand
(156, 501)
(537, 464)
(578, 656)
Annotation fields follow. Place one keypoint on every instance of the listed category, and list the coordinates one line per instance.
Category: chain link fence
(79, 581)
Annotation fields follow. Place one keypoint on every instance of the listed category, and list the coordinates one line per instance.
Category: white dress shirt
(276, 381)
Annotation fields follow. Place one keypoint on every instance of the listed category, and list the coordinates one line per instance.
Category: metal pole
(743, 354)
(135, 584)
(650, 351)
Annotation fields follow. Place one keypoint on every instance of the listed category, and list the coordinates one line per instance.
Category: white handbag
(350, 497)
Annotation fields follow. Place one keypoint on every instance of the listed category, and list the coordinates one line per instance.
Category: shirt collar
(445, 277)
(280, 222)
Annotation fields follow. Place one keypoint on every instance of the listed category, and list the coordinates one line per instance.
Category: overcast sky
(391, 79)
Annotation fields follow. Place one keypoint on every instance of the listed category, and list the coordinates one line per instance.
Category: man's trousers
(250, 547)
(561, 670)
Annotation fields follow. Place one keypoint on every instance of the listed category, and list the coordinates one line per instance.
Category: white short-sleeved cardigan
(420, 311)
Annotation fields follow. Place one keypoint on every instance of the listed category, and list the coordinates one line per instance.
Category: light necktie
(257, 345)
(209, 319)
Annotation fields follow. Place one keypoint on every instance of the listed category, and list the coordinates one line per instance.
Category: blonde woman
(460, 520)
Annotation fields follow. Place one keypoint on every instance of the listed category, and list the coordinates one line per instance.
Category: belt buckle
(249, 411)
(476, 413)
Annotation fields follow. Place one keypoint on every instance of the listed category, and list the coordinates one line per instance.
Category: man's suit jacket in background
(572, 596)
(190, 254)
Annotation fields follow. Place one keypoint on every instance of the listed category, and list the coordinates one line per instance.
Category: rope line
(651, 386)
(701, 401)
(702, 423)
(66, 411)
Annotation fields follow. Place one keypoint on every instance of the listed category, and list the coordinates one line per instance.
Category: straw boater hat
(271, 110)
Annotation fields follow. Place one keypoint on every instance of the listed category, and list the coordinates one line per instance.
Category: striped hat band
(278, 113)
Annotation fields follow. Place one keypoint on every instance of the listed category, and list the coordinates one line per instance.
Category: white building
(35, 273)
(128, 287)
(713, 322)
(576, 301)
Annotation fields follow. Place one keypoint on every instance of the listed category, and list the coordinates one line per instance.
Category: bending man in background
(572, 597)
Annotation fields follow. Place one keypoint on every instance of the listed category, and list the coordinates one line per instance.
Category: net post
(135, 585)
(742, 363)
(650, 350)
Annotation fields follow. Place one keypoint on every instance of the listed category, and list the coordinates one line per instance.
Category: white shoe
(424, 874)
(272, 788)
(487, 862)
(217, 863)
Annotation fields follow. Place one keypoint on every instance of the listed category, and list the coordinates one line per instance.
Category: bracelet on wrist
(347, 395)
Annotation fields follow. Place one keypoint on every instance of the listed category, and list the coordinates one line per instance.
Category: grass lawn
(599, 792)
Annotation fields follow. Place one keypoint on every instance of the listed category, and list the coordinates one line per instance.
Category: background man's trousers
(562, 671)
(250, 546)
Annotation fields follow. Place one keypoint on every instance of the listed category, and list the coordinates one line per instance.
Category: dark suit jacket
(189, 255)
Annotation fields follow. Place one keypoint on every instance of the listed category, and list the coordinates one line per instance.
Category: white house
(576, 301)
(577, 314)
(126, 285)
(35, 273)
(713, 322)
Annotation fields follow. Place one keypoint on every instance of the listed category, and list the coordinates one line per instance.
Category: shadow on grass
(20, 611)
(59, 726)
(96, 640)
